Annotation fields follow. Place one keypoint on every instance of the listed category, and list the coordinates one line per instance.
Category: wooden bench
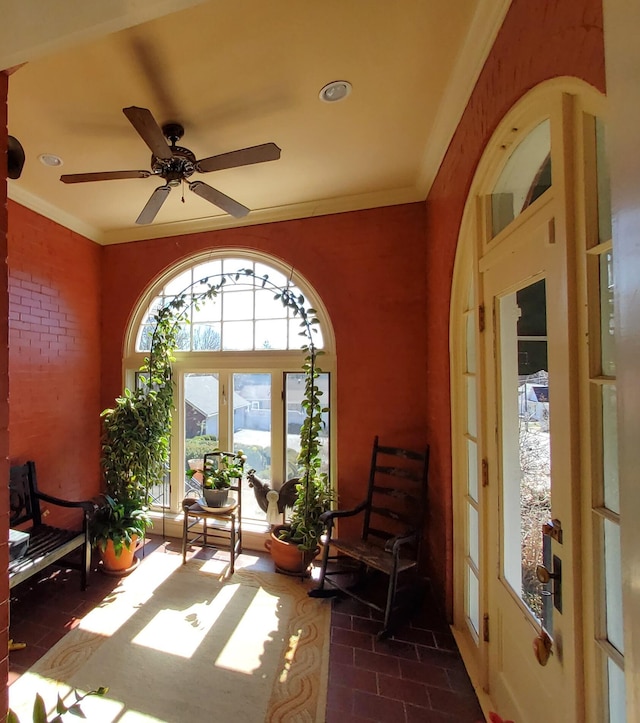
(46, 545)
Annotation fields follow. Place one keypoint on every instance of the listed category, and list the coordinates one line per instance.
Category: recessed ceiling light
(49, 159)
(335, 91)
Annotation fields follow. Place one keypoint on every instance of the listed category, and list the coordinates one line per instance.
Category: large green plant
(314, 495)
(137, 430)
(135, 443)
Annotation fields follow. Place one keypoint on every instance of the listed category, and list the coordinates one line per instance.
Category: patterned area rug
(175, 643)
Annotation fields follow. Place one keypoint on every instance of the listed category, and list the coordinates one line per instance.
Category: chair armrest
(393, 544)
(336, 514)
(89, 506)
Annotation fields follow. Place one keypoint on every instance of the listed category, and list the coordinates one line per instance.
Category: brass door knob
(544, 575)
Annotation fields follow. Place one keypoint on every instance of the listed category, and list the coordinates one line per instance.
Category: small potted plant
(219, 472)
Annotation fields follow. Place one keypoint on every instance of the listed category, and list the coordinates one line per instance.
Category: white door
(530, 432)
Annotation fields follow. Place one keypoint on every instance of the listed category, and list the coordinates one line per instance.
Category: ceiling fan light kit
(175, 164)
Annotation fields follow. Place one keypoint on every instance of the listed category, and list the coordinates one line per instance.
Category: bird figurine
(272, 501)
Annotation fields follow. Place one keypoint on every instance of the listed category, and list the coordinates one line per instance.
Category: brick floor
(417, 675)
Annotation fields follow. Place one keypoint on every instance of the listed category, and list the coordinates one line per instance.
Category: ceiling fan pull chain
(183, 190)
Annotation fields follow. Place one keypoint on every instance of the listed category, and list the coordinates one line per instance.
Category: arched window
(237, 372)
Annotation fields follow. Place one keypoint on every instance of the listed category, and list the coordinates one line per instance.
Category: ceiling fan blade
(102, 176)
(237, 210)
(243, 157)
(158, 197)
(150, 132)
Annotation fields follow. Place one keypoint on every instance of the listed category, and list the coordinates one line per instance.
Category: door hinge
(485, 473)
(485, 627)
(481, 323)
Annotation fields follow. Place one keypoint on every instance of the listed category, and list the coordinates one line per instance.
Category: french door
(538, 607)
(530, 375)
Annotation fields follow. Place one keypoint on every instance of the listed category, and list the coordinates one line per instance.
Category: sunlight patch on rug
(175, 643)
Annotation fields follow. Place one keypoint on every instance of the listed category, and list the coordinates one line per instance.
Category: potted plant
(219, 472)
(135, 449)
(293, 546)
(116, 529)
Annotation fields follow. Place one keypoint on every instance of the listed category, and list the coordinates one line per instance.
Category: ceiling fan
(176, 164)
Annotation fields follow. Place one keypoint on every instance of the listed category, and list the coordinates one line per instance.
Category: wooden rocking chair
(393, 517)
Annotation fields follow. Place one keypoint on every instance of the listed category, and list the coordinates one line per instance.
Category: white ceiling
(237, 74)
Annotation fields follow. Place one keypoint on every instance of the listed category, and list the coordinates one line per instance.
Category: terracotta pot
(196, 464)
(119, 563)
(286, 555)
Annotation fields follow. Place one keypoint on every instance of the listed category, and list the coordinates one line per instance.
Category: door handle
(544, 575)
(554, 576)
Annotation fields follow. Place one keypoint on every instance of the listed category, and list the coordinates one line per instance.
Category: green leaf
(77, 711)
(60, 706)
(39, 711)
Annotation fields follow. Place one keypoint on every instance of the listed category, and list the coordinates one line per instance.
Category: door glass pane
(526, 452)
(610, 448)
(471, 343)
(472, 469)
(526, 176)
(604, 187)
(473, 599)
(201, 424)
(617, 693)
(471, 407)
(252, 433)
(613, 584)
(606, 315)
(473, 534)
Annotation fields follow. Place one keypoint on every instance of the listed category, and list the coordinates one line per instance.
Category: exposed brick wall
(366, 267)
(54, 356)
(4, 408)
(538, 41)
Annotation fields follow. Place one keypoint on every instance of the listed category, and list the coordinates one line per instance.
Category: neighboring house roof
(201, 392)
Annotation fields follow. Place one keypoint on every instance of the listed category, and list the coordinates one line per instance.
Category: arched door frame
(466, 324)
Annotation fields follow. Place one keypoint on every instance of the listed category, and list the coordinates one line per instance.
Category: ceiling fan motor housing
(181, 165)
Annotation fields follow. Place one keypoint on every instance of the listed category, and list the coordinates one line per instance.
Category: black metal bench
(47, 545)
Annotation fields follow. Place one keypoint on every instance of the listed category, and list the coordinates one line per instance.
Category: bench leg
(85, 565)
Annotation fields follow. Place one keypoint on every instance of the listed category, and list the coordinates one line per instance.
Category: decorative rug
(175, 643)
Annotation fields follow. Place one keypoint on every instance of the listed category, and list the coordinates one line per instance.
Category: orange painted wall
(369, 269)
(4, 409)
(54, 356)
(538, 41)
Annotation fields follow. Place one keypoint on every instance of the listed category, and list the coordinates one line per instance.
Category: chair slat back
(24, 505)
(397, 492)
